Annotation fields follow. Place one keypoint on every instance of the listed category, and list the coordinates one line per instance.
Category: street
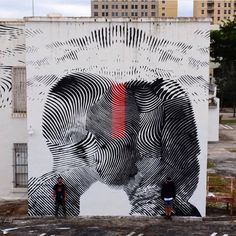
(120, 226)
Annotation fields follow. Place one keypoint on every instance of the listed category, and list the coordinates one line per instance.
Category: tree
(223, 51)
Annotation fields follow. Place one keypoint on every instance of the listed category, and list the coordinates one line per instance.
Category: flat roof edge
(12, 20)
(92, 19)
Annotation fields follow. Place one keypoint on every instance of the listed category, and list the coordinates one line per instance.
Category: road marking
(5, 231)
(226, 127)
(229, 127)
(141, 235)
(130, 234)
(63, 228)
(214, 234)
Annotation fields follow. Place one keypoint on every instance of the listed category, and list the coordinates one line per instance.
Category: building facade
(112, 106)
(134, 8)
(218, 10)
(13, 128)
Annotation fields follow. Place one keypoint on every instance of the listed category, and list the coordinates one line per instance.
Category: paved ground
(223, 153)
(119, 226)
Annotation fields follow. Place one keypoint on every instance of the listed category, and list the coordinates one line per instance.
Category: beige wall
(218, 10)
(138, 8)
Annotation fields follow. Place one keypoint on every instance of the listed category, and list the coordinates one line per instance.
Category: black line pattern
(160, 132)
(168, 51)
(5, 86)
(160, 140)
(12, 51)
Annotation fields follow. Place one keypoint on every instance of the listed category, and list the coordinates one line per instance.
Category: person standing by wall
(168, 192)
(60, 195)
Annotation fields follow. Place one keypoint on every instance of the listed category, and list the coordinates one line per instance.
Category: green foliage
(223, 51)
(233, 121)
(223, 42)
(210, 163)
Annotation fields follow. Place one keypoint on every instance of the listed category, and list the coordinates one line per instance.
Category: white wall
(182, 57)
(12, 130)
(213, 122)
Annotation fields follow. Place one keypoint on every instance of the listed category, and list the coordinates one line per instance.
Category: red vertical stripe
(118, 110)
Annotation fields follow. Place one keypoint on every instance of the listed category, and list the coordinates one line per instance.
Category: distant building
(134, 8)
(218, 10)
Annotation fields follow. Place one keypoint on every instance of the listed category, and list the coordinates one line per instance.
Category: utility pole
(32, 7)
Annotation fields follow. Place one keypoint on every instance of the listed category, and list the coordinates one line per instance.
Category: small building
(119, 102)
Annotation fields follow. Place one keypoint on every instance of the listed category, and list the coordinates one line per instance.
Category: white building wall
(12, 130)
(176, 50)
(213, 121)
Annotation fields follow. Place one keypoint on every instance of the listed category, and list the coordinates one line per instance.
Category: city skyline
(19, 9)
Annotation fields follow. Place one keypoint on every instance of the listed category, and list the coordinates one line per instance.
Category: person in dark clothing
(168, 193)
(60, 196)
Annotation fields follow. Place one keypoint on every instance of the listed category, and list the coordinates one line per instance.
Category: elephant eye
(75, 133)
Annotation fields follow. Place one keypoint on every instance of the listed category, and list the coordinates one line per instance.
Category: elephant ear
(168, 145)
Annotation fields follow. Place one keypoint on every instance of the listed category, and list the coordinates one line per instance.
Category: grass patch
(210, 164)
(231, 149)
(232, 121)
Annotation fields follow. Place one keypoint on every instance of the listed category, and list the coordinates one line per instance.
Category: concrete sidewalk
(114, 226)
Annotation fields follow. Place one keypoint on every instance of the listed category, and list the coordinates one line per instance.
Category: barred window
(20, 165)
(19, 89)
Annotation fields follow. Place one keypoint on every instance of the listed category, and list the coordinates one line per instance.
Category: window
(218, 4)
(225, 4)
(115, 6)
(225, 12)
(202, 4)
(153, 14)
(202, 12)
(163, 14)
(218, 18)
(104, 6)
(144, 6)
(229, 4)
(104, 13)
(134, 13)
(153, 6)
(19, 90)
(20, 165)
(96, 6)
(229, 11)
(218, 11)
(115, 14)
(95, 14)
